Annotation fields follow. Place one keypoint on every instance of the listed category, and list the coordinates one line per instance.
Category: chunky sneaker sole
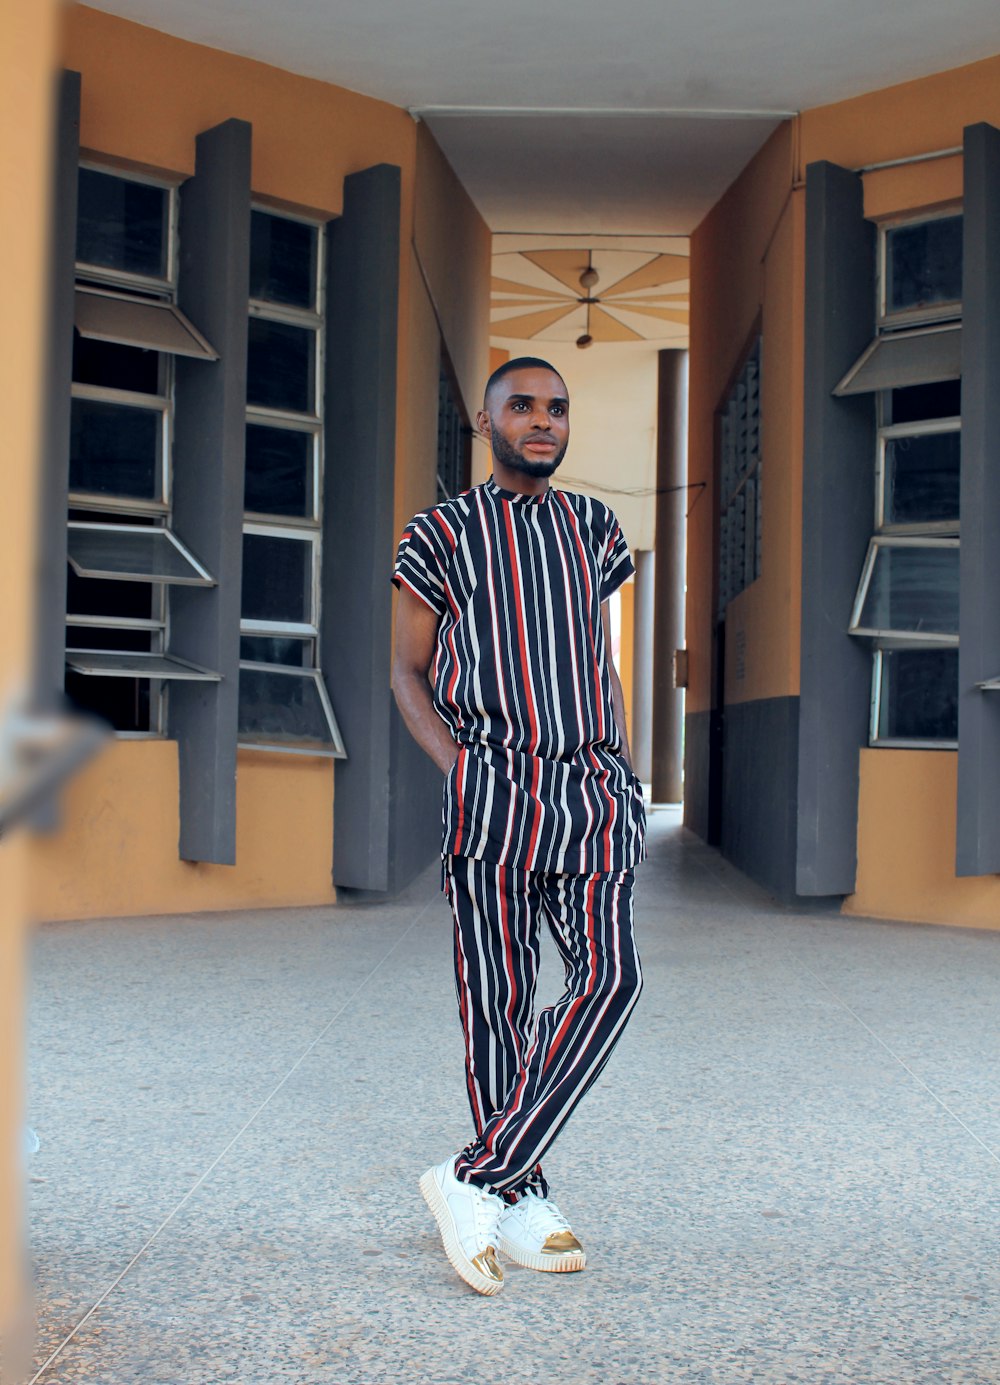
(483, 1272)
(562, 1258)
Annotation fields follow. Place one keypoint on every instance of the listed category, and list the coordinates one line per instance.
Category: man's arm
(416, 634)
(617, 696)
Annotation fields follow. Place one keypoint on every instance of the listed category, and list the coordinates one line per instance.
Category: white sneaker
(467, 1217)
(534, 1233)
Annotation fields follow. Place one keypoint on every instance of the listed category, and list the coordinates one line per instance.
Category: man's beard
(509, 456)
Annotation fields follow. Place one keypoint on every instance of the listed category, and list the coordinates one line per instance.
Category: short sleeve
(421, 561)
(616, 565)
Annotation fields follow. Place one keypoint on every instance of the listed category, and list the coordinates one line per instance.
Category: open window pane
(277, 579)
(909, 588)
(115, 600)
(279, 471)
(901, 359)
(151, 324)
(288, 708)
(281, 366)
(918, 695)
(115, 449)
(922, 478)
(917, 403)
(122, 224)
(126, 703)
(111, 637)
(113, 366)
(282, 260)
(276, 649)
(103, 663)
(133, 553)
(923, 264)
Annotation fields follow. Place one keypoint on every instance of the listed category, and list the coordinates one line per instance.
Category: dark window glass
(924, 264)
(922, 478)
(919, 695)
(94, 596)
(114, 366)
(122, 224)
(115, 449)
(278, 478)
(943, 399)
(277, 579)
(278, 707)
(107, 637)
(124, 702)
(282, 260)
(280, 366)
(272, 649)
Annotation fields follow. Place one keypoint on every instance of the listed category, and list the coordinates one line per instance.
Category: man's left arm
(617, 696)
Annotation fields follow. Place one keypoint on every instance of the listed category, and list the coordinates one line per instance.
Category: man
(503, 674)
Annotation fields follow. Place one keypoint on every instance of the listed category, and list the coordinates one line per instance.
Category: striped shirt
(521, 677)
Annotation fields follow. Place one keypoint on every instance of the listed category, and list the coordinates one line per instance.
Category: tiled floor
(788, 1173)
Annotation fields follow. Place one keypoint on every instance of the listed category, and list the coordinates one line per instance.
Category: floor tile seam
(205, 1175)
(845, 1005)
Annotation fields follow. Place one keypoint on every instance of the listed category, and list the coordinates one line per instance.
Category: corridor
(788, 1172)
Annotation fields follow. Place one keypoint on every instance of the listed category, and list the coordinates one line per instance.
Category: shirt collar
(516, 497)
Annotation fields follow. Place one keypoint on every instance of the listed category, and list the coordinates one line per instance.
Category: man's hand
(416, 635)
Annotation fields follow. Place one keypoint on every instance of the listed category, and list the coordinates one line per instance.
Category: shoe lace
(544, 1215)
(487, 1208)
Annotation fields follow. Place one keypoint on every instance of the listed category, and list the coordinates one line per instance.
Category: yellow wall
(747, 261)
(117, 852)
(747, 269)
(26, 67)
(145, 98)
(906, 843)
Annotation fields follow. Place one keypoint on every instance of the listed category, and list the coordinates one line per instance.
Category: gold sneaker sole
(566, 1263)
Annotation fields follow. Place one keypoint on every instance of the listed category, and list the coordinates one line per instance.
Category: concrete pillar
(642, 665)
(671, 510)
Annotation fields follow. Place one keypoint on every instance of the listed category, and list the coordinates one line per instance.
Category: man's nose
(540, 419)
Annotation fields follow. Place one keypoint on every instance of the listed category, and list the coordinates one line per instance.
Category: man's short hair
(518, 363)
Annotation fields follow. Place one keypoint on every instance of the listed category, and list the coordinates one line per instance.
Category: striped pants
(525, 1076)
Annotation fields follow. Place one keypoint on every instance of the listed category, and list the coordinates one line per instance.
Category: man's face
(526, 420)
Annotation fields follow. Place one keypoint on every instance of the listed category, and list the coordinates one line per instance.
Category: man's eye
(557, 409)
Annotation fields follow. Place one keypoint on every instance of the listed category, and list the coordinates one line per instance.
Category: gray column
(208, 462)
(50, 590)
(671, 508)
(837, 507)
(362, 329)
(978, 845)
(642, 664)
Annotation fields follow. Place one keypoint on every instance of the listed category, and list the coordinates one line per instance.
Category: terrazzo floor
(788, 1172)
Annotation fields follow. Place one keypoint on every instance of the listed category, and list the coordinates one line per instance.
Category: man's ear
(483, 424)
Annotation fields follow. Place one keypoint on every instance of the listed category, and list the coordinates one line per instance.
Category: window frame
(919, 428)
(308, 529)
(908, 317)
(888, 638)
(127, 278)
(879, 680)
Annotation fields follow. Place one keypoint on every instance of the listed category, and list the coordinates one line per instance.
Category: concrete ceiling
(586, 117)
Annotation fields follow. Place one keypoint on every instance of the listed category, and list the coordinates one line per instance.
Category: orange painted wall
(117, 852)
(746, 265)
(26, 66)
(626, 651)
(906, 844)
(747, 259)
(145, 97)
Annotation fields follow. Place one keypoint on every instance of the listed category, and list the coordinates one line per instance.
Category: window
(123, 555)
(283, 704)
(453, 441)
(740, 483)
(907, 596)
